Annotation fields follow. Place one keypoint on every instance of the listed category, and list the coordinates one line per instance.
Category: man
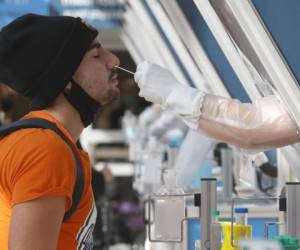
(60, 66)
(262, 125)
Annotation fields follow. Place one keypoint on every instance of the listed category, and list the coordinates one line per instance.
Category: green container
(287, 242)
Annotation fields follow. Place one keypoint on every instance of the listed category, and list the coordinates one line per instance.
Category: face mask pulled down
(83, 103)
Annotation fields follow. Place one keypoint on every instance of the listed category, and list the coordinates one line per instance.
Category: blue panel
(109, 18)
(104, 24)
(100, 14)
(258, 227)
(282, 19)
(213, 51)
(10, 10)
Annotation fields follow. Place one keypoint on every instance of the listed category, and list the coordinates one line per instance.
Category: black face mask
(83, 103)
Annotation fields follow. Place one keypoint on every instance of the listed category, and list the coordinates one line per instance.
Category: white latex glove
(158, 85)
(155, 82)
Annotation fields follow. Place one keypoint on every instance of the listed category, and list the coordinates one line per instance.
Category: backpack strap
(42, 123)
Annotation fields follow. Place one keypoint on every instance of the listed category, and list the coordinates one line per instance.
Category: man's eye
(96, 56)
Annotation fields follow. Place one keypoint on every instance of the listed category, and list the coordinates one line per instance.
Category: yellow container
(239, 232)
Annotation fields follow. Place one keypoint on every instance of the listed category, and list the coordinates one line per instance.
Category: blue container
(193, 233)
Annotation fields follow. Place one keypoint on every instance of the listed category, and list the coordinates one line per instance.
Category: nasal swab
(128, 71)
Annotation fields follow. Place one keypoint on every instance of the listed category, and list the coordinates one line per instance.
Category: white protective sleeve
(262, 125)
(191, 157)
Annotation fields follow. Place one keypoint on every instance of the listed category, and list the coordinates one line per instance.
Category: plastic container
(215, 231)
(193, 233)
(241, 229)
(241, 215)
(169, 209)
(172, 153)
(129, 123)
(174, 138)
(239, 232)
(152, 162)
(169, 186)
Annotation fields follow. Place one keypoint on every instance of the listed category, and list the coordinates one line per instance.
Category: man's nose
(113, 61)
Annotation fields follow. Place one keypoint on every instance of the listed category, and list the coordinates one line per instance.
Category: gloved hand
(155, 82)
(158, 85)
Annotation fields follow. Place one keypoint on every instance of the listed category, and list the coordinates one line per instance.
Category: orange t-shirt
(37, 163)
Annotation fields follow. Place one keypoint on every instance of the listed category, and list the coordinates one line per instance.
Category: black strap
(42, 123)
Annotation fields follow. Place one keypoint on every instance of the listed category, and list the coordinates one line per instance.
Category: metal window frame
(213, 83)
(175, 41)
(139, 38)
(156, 38)
(283, 80)
(224, 40)
(133, 51)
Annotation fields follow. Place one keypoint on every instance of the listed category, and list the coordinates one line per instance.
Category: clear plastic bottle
(175, 137)
(215, 231)
(241, 215)
(241, 228)
(152, 163)
(129, 122)
(172, 152)
(169, 186)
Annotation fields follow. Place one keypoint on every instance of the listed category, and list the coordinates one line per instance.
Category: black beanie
(39, 54)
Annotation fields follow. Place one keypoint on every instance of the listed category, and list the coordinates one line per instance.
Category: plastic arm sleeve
(262, 125)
